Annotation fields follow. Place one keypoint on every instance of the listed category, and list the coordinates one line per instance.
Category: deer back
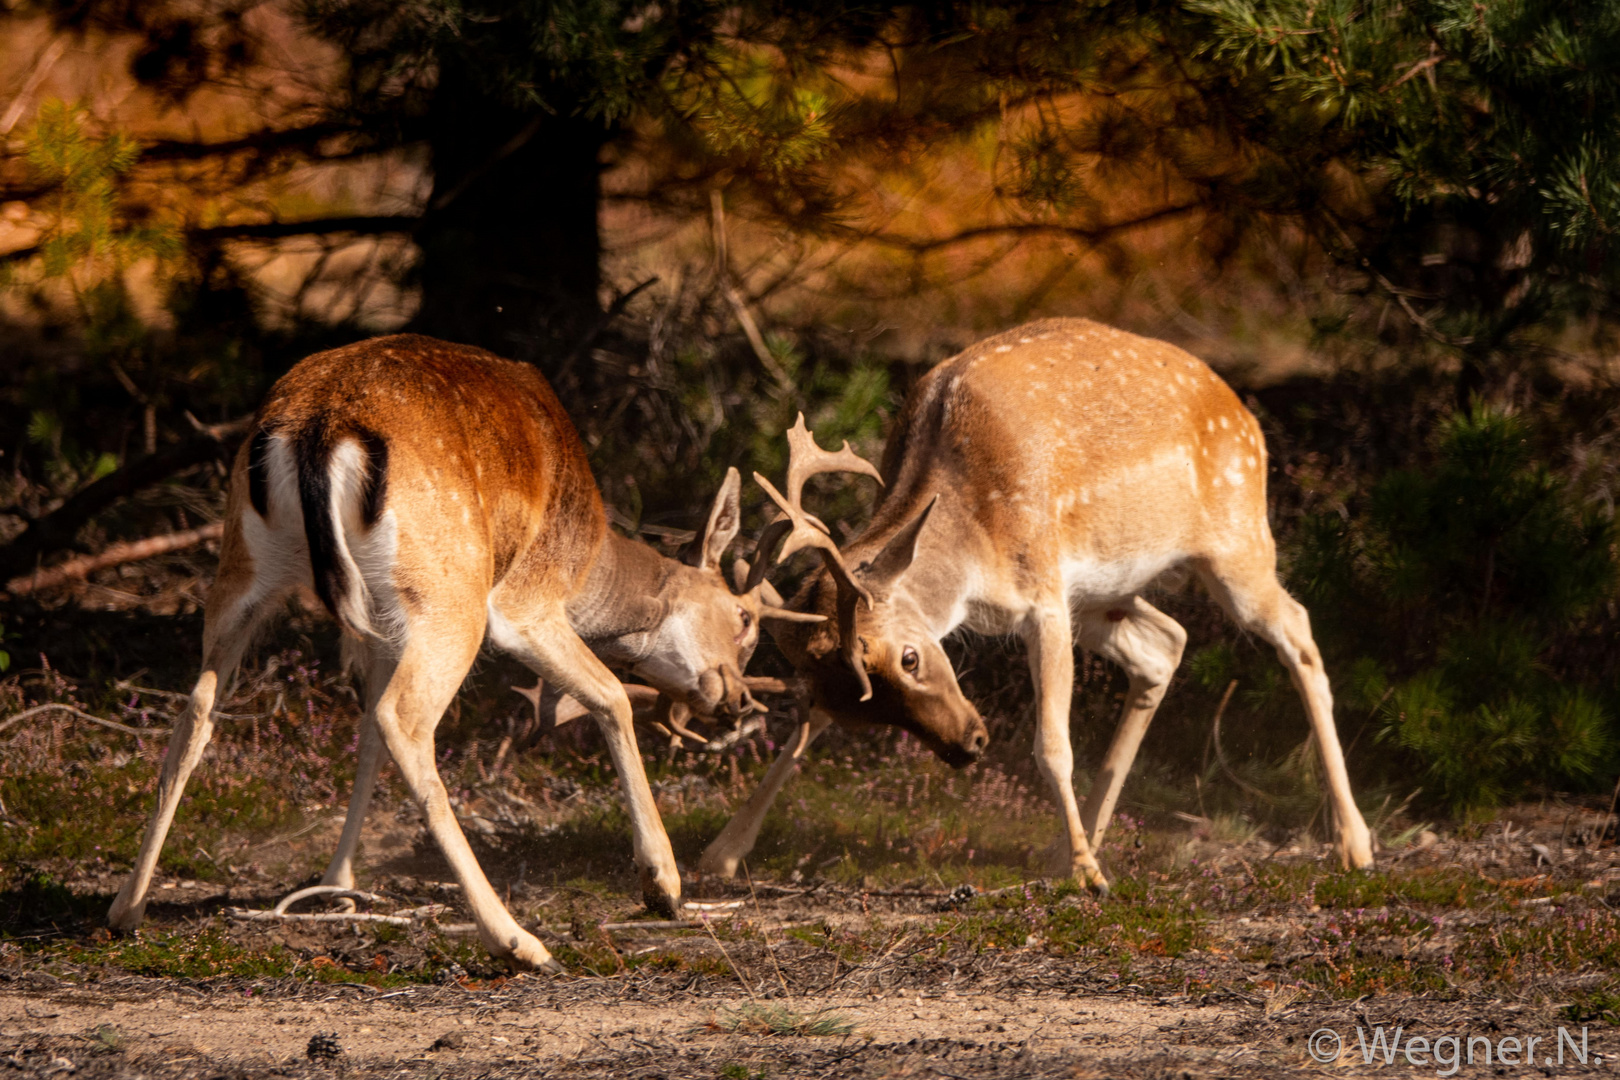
(1060, 462)
(1069, 443)
(456, 468)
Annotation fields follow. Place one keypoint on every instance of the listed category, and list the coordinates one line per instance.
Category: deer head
(870, 658)
(701, 630)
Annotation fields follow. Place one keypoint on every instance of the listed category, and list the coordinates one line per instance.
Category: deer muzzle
(723, 693)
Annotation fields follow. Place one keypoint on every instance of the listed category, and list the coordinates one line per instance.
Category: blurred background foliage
(1391, 226)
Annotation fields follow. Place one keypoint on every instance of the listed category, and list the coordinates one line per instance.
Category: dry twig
(115, 555)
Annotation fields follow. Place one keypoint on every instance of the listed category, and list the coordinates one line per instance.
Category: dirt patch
(572, 1026)
(1217, 956)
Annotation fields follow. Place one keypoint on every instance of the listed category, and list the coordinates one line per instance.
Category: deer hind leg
(1050, 642)
(1247, 587)
(340, 871)
(736, 840)
(235, 609)
(1148, 644)
(552, 649)
(420, 687)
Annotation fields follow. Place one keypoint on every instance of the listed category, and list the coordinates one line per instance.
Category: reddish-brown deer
(436, 496)
(1036, 484)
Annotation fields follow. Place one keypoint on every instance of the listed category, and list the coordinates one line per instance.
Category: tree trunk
(510, 243)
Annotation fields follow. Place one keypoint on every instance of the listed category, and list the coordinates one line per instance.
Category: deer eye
(908, 660)
(747, 619)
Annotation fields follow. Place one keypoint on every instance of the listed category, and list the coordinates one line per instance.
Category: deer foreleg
(1051, 661)
(557, 654)
(736, 840)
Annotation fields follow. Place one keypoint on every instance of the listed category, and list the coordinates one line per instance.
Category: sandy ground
(1009, 1014)
(516, 1031)
(582, 1027)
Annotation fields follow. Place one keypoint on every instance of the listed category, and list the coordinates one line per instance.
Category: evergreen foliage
(1459, 162)
(1482, 136)
(89, 240)
(1456, 586)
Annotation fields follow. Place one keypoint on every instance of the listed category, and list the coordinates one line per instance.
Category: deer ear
(724, 521)
(895, 558)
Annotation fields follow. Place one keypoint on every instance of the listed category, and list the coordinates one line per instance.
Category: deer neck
(620, 603)
(940, 581)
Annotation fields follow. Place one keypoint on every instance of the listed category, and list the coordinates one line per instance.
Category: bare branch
(369, 225)
(57, 529)
(1090, 234)
(300, 138)
(361, 224)
(116, 555)
(80, 714)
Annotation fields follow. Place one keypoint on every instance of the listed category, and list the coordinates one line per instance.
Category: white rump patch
(276, 543)
(373, 601)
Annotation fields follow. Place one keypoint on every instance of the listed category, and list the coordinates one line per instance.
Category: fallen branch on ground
(116, 555)
(112, 725)
(416, 916)
(422, 917)
(57, 529)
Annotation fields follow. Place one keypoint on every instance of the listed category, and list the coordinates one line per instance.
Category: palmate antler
(804, 530)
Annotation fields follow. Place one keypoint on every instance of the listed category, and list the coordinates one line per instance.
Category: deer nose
(978, 741)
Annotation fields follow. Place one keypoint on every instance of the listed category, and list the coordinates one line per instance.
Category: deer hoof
(525, 951)
(1357, 855)
(723, 867)
(1095, 882)
(125, 917)
(660, 898)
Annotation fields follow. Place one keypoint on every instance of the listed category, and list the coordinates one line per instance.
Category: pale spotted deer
(1036, 484)
(435, 496)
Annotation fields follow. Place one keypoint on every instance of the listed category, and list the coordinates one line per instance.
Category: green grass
(1602, 1004)
(867, 815)
(110, 805)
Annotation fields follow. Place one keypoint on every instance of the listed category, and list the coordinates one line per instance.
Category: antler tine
(806, 459)
(801, 534)
(767, 543)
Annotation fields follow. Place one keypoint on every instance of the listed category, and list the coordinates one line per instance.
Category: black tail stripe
(376, 485)
(312, 450)
(259, 472)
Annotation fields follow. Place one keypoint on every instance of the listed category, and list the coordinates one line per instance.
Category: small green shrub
(1466, 576)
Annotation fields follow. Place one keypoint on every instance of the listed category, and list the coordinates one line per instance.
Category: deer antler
(804, 530)
(771, 605)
